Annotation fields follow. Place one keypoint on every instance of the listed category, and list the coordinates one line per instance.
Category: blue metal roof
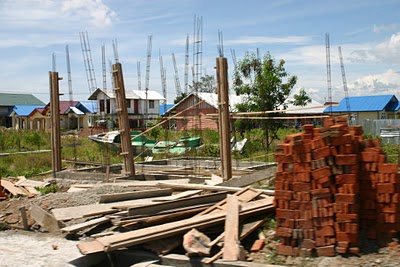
(367, 104)
(25, 110)
(87, 106)
(164, 108)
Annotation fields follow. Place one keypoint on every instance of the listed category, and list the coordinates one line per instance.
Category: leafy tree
(265, 85)
(301, 99)
(180, 97)
(207, 84)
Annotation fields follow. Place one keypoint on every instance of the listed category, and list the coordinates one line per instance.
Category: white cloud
(387, 51)
(246, 40)
(382, 83)
(385, 28)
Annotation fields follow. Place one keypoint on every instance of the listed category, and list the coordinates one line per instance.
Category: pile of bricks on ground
(334, 191)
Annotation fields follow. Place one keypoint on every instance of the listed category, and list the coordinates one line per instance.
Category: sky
(34, 35)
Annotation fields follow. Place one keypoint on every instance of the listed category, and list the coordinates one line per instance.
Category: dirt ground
(36, 248)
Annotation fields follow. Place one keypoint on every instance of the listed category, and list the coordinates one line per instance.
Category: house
(9, 101)
(73, 115)
(80, 116)
(371, 107)
(27, 117)
(195, 118)
(142, 106)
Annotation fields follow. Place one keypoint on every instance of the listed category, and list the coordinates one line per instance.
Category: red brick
(385, 188)
(321, 193)
(257, 245)
(321, 153)
(301, 187)
(283, 231)
(352, 228)
(325, 231)
(341, 250)
(346, 198)
(348, 237)
(388, 168)
(287, 250)
(327, 251)
(346, 179)
(350, 159)
(323, 172)
(287, 214)
(307, 243)
(287, 223)
(304, 224)
(341, 140)
(343, 244)
(283, 194)
(283, 158)
(354, 250)
(369, 156)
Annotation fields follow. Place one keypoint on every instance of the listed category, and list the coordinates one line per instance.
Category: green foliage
(180, 97)
(266, 86)
(53, 188)
(209, 150)
(34, 138)
(206, 84)
(301, 99)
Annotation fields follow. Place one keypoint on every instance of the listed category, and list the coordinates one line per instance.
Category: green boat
(182, 146)
(112, 140)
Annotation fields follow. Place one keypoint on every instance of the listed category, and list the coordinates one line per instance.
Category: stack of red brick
(332, 188)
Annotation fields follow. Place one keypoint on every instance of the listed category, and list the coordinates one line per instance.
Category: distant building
(9, 101)
(370, 107)
(136, 101)
(195, 118)
(73, 115)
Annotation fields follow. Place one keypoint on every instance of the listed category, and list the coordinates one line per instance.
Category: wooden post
(55, 123)
(223, 122)
(126, 144)
(24, 218)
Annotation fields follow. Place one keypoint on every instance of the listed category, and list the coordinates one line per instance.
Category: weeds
(53, 188)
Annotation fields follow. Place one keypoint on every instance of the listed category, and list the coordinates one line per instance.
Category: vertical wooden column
(223, 122)
(126, 144)
(55, 123)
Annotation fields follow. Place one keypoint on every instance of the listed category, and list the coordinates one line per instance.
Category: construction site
(326, 196)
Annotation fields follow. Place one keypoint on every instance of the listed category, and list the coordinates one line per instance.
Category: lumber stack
(332, 189)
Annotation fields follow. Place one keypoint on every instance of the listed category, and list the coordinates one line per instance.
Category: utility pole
(120, 97)
(187, 65)
(55, 122)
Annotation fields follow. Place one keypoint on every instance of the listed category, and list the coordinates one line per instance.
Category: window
(383, 115)
(108, 106)
(128, 103)
(151, 103)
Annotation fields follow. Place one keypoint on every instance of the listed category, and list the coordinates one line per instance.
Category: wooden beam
(135, 195)
(44, 219)
(80, 226)
(252, 178)
(173, 204)
(231, 249)
(208, 187)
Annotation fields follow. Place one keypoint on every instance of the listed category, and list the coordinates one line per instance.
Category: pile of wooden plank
(20, 186)
(331, 186)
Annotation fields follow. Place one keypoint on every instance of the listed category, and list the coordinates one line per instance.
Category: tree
(206, 84)
(179, 97)
(301, 99)
(266, 86)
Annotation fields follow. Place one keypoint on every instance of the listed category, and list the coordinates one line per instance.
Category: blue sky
(368, 32)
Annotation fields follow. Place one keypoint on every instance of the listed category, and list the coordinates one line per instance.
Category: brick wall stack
(332, 188)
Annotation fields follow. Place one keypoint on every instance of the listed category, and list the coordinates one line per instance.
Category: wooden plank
(10, 187)
(30, 183)
(183, 194)
(80, 226)
(185, 202)
(131, 183)
(207, 187)
(135, 195)
(64, 214)
(231, 249)
(44, 219)
(143, 235)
